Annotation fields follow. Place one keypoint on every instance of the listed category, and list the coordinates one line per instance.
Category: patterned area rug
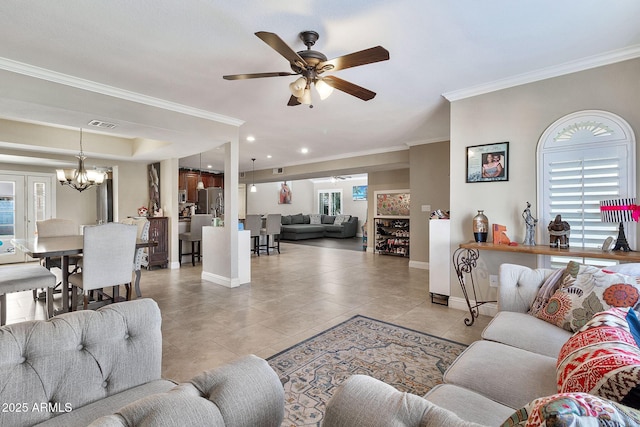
(310, 371)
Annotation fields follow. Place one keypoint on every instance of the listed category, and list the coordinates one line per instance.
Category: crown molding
(611, 57)
(428, 141)
(91, 86)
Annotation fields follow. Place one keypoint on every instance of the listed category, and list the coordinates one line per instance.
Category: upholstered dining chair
(194, 236)
(56, 227)
(143, 225)
(108, 251)
(272, 231)
(253, 223)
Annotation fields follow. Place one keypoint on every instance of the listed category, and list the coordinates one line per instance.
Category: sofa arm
(519, 286)
(246, 392)
(366, 401)
(350, 227)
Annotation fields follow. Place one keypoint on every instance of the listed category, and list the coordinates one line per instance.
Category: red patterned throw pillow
(603, 358)
(586, 290)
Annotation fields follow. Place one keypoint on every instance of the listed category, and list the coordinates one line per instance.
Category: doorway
(24, 199)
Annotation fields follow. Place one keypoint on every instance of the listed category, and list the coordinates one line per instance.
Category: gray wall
(520, 115)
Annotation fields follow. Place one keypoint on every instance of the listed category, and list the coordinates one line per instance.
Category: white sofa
(513, 364)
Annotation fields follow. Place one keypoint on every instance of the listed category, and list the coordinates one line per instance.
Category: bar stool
(272, 229)
(194, 235)
(25, 277)
(253, 223)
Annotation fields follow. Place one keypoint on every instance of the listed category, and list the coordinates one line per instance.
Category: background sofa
(299, 226)
(103, 368)
(514, 364)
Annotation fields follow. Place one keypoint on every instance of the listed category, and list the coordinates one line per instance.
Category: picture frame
(392, 203)
(359, 192)
(488, 162)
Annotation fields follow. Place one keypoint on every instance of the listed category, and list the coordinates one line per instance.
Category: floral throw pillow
(603, 358)
(586, 290)
(315, 219)
(573, 410)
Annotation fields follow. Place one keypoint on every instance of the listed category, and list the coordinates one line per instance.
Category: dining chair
(56, 227)
(253, 223)
(194, 236)
(108, 251)
(143, 225)
(272, 230)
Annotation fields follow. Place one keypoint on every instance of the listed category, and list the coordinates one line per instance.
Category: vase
(480, 227)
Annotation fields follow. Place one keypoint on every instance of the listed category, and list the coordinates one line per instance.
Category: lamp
(253, 175)
(324, 90)
(80, 178)
(200, 185)
(620, 210)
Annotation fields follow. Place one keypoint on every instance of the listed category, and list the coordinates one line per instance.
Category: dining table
(63, 247)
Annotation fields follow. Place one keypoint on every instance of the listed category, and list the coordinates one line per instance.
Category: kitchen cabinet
(188, 180)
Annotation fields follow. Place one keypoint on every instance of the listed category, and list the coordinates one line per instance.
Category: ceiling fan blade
(282, 48)
(293, 101)
(348, 87)
(256, 75)
(355, 59)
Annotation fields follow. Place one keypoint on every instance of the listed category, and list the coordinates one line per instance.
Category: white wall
(305, 198)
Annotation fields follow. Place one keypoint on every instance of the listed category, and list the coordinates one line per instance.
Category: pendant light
(253, 176)
(200, 185)
(80, 178)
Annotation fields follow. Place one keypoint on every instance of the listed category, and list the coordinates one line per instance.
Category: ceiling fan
(311, 64)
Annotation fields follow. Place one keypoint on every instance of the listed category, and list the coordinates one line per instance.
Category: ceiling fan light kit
(310, 64)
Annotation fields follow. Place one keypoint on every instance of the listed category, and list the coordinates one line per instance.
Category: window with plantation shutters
(584, 158)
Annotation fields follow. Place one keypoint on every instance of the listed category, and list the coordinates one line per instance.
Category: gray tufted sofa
(103, 368)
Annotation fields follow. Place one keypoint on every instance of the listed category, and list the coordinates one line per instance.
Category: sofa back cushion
(603, 358)
(586, 290)
(285, 220)
(78, 358)
(328, 219)
(297, 219)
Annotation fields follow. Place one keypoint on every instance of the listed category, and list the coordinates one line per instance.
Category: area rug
(310, 371)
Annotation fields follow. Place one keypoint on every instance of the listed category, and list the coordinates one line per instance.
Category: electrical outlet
(493, 280)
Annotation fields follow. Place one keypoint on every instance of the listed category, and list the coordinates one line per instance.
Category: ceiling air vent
(278, 171)
(102, 125)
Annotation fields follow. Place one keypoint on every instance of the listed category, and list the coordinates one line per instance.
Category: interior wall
(520, 115)
(429, 175)
(266, 199)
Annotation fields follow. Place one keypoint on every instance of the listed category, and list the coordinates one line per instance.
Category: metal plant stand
(464, 261)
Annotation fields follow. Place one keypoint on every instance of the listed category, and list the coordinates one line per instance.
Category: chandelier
(80, 178)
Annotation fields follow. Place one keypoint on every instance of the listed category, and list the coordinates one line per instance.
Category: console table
(466, 256)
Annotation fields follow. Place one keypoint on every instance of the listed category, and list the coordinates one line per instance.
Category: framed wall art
(488, 163)
(393, 203)
(359, 192)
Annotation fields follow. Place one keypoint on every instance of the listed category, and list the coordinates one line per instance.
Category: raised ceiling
(154, 68)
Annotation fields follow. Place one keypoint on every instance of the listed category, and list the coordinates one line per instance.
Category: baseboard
(174, 264)
(220, 280)
(419, 264)
(489, 309)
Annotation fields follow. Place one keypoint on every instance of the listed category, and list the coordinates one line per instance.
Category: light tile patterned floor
(292, 296)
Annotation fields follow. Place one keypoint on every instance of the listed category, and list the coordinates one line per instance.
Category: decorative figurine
(559, 231)
(531, 222)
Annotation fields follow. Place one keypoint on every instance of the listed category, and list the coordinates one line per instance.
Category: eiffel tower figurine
(621, 243)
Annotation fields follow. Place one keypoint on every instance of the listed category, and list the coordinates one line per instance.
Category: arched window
(583, 158)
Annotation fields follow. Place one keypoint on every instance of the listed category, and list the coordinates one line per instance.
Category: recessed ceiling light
(209, 166)
(251, 138)
(304, 150)
(269, 156)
